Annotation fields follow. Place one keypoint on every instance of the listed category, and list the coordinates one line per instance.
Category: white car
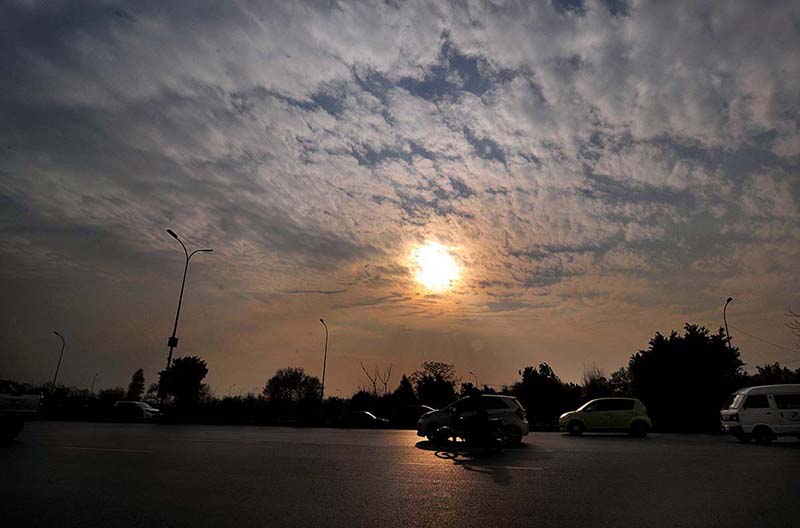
(763, 413)
(135, 410)
(15, 408)
(506, 408)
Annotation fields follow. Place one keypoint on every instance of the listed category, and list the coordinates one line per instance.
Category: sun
(435, 268)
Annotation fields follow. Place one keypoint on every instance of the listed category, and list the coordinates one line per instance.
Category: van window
(787, 401)
(756, 401)
(735, 401)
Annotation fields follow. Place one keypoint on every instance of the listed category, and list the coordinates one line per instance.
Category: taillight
(520, 412)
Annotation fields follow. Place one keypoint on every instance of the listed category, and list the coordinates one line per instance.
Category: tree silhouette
(152, 391)
(136, 386)
(292, 385)
(620, 382)
(684, 379)
(543, 394)
(595, 384)
(774, 374)
(293, 395)
(435, 383)
(184, 380)
(107, 397)
(404, 393)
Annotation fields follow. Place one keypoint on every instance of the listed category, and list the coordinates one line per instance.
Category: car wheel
(575, 428)
(441, 436)
(511, 435)
(762, 435)
(432, 432)
(639, 429)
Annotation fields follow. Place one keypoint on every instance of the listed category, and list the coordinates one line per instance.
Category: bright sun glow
(435, 268)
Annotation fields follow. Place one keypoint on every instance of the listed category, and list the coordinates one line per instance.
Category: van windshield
(735, 401)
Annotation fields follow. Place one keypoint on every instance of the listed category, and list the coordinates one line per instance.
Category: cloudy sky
(598, 170)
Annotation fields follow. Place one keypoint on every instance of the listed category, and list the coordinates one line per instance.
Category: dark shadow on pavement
(489, 461)
(607, 436)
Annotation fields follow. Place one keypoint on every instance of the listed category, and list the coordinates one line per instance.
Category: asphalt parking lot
(88, 474)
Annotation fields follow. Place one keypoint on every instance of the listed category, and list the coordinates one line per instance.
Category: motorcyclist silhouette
(478, 423)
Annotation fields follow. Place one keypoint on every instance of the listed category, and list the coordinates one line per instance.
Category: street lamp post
(324, 361)
(58, 366)
(91, 391)
(725, 319)
(476, 379)
(173, 340)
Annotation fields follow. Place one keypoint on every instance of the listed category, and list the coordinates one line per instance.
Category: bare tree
(794, 324)
(387, 374)
(595, 383)
(376, 377)
(373, 378)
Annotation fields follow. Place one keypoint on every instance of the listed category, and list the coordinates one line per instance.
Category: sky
(597, 170)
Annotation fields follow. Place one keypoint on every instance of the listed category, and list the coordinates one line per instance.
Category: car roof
(770, 389)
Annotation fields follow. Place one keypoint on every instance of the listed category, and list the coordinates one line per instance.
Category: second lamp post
(173, 340)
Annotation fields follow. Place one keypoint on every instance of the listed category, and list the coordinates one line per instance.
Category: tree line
(683, 380)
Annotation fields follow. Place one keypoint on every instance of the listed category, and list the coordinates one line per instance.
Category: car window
(495, 403)
(605, 405)
(756, 401)
(787, 401)
(467, 404)
(619, 405)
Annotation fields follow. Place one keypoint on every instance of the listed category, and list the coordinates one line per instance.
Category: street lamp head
(172, 234)
(205, 250)
(59, 335)
(321, 320)
(729, 300)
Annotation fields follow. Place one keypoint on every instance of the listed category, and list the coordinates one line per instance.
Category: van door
(788, 407)
(756, 410)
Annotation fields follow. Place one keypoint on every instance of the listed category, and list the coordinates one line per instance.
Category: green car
(608, 415)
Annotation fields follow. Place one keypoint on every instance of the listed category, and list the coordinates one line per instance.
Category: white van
(763, 413)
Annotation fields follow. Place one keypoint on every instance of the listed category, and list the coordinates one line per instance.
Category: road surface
(85, 474)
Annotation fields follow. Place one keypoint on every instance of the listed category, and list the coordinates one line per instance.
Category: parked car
(408, 416)
(15, 408)
(506, 408)
(135, 410)
(763, 413)
(607, 415)
(363, 420)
